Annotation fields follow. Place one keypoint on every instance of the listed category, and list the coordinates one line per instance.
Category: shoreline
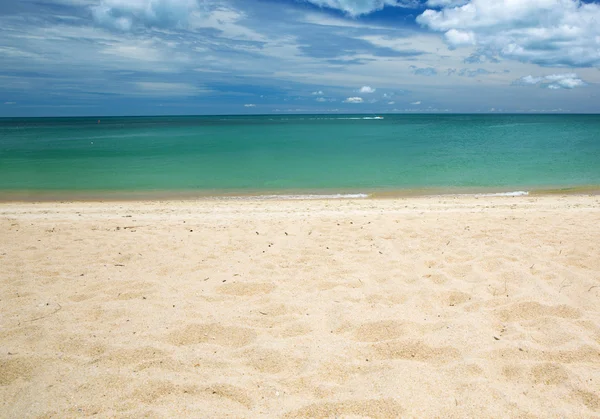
(8, 196)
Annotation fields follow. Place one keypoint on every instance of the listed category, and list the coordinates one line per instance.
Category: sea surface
(337, 155)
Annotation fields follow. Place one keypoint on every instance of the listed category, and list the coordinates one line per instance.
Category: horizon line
(300, 114)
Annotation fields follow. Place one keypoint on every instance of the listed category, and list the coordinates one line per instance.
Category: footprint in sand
(437, 277)
(216, 334)
(153, 390)
(271, 361)
(549, 374)
(590, 400)
(292, 330)
(231, 393)
(529, 310)
(415, 350)
(16, 368)
(456, 298)
(381, 330)
(382, 408)
(79, 345)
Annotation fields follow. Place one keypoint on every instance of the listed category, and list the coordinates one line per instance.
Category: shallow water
(346, 154)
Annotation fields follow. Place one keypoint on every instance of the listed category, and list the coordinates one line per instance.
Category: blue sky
(153, 57)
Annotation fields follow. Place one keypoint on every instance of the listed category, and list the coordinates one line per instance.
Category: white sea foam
(299, 196)
(514, 193)
(363, 118)
(332, 118)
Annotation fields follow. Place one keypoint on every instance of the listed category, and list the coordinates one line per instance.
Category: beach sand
(415, 307)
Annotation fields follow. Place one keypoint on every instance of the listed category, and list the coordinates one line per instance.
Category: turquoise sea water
(299, 153)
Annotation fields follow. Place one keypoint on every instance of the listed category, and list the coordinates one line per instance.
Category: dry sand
(417, 307)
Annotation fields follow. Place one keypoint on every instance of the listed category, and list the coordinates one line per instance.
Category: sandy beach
(406, 307)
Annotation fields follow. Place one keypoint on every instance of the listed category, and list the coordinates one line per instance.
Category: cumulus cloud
(391, 103)
(321, 99)
(318, 93)
(416, 103)
(545, 32)
(250, 105)
(552, 81)
(354, 100)
(460, 38)
(367, 89)
(362, 7)
(125, 14)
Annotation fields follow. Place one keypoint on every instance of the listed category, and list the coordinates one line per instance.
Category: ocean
(334, 155)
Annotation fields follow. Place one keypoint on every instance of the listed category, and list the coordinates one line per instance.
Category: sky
(195, 57)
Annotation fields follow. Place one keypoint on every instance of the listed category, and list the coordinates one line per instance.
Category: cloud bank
(545, 32)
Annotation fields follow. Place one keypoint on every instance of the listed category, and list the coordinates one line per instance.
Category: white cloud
(391, 103)
(416, 103)
(552, 81)
(425, 71)
(367, 89)
(354, 100)
(530, 80)
(362, 7)
(446, 3)
(84, 59)
(325, 99)
(318, 93)
(250, 105)
(67, 2)
(125, 14)
(546, 32)
(10, 103)
(227, 21)
(460, 38)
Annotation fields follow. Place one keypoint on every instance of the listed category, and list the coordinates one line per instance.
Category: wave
(299, 197)
(356, 118)
(341, 118)
(516, 124)
(514, 193)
